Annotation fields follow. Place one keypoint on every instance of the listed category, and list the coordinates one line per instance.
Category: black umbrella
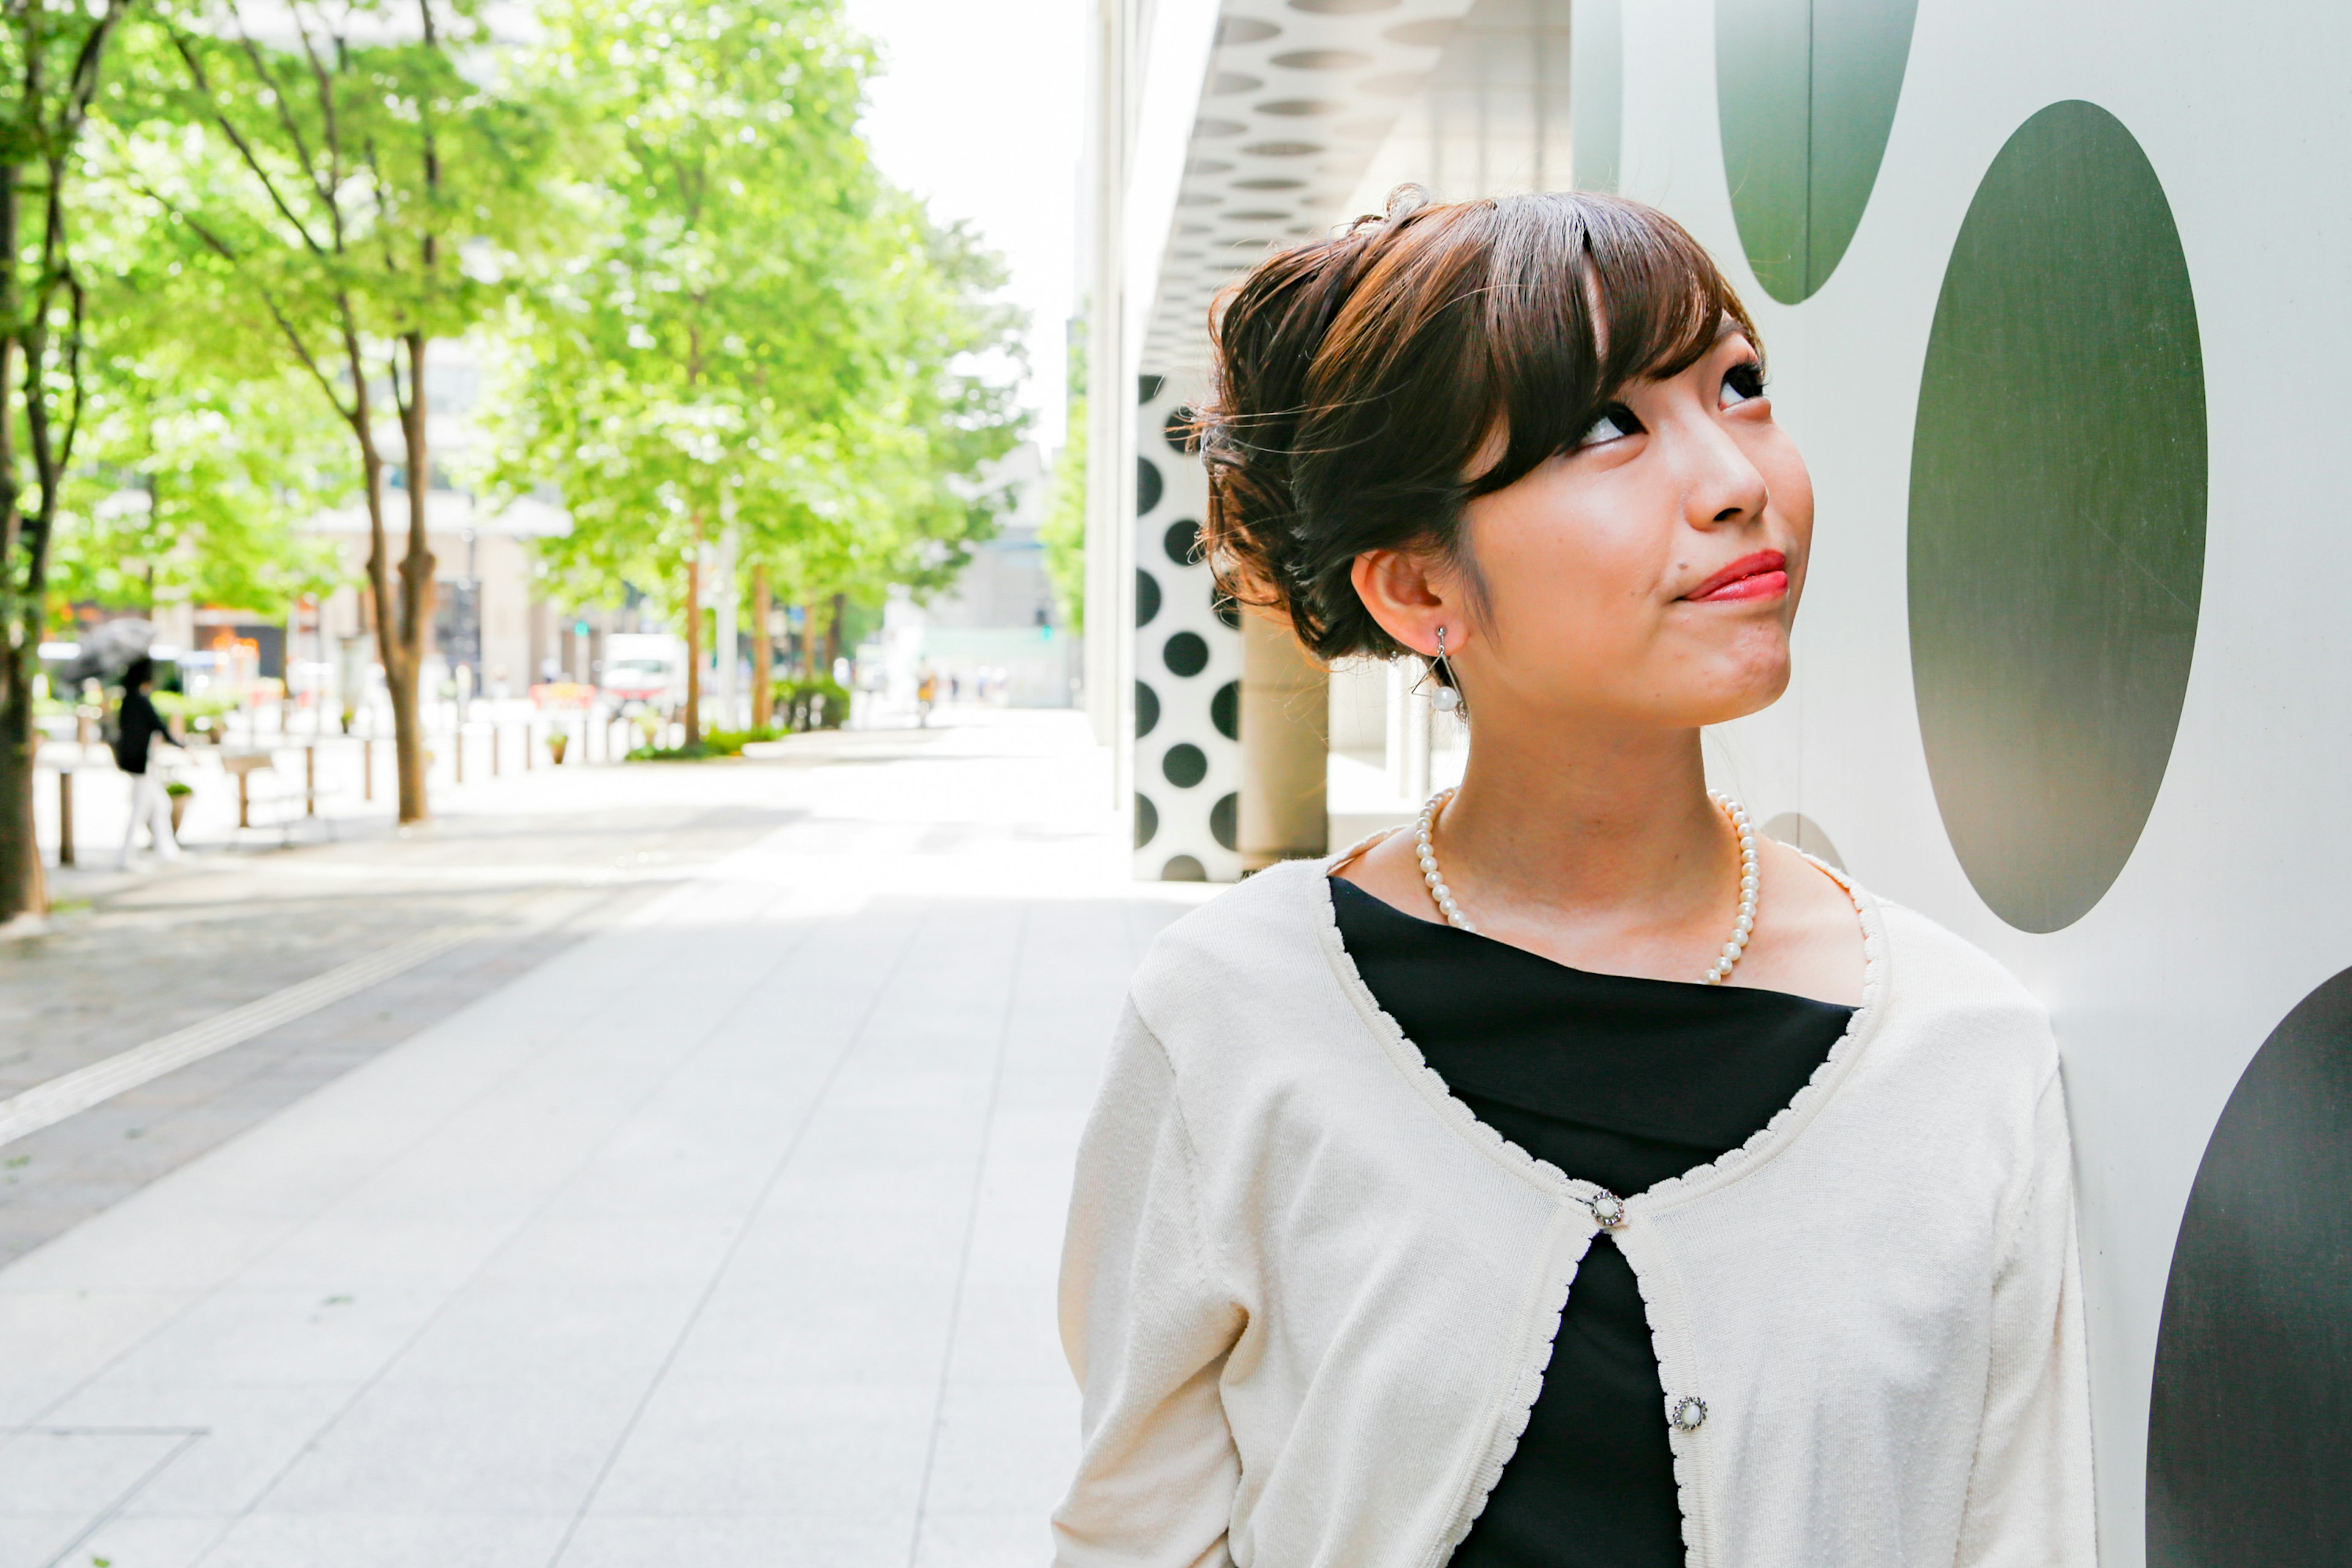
(107, 649)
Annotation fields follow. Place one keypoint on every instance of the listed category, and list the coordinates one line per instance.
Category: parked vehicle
(648, 668)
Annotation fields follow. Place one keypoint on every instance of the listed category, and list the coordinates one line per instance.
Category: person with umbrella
(137, 727)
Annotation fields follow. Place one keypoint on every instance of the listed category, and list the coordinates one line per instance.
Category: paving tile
(31, 1540)
(548, 1335)
(1011, 1330)
(1009, 1538)
(806, 1540)
(737, 1447)
(418, 1450)
(175, 1540)
(249, 1433)
(1003, 1447)
(278, 1336)
(442, 1539)
(64, 1469)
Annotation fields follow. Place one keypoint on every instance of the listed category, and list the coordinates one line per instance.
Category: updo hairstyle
(1359, 380)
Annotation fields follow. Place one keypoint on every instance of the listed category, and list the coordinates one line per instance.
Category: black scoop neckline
(1501, 951)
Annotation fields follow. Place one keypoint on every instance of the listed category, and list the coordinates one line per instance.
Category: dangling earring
(1447, 697)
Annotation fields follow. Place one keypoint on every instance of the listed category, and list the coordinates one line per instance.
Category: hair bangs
(1590, 295)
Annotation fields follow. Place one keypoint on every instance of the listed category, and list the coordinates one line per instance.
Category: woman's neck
(1578, 822)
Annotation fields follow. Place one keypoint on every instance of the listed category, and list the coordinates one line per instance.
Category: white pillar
(1109, 670)
(1416, 735)
(1286, 745)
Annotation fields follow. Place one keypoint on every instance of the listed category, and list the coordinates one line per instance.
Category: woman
(137, 726)
(1578, 1178)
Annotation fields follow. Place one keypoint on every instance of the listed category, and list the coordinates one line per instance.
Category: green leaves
(345, 172)
(757, 328)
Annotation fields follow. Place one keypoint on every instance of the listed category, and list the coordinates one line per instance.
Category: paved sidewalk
(523, 867)
(726, 1234)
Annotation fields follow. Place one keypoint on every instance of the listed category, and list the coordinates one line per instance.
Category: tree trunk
(416, 585)
(22, 888)
(833, 633)
(694, 638)
(762, 649)
(808, 640)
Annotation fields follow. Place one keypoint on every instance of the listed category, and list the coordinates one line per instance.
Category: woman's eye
(1616, 423)
(1741, 383)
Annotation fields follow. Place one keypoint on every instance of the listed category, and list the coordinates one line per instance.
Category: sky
(980, 108)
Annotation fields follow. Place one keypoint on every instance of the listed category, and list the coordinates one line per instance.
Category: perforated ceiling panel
(1298, 97)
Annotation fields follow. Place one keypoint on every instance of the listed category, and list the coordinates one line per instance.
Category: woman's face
(1652, 574)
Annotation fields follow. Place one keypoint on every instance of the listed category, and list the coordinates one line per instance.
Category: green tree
(51, 55)
(1064, 531)
(203, 450)
(760, 335)
(366, 185)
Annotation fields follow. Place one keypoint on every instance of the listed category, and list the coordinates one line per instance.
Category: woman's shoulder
(1256, 952)
(1936, 984)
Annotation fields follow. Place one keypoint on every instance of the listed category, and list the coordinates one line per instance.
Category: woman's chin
(1751, 692)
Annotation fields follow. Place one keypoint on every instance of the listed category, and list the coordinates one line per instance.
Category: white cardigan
(1309, 1296)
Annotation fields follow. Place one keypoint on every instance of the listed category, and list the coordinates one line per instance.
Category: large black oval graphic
(2247, 1460)
(2057, 531)
(1806, 92)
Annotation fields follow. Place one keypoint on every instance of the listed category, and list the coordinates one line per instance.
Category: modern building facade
(2048, 292)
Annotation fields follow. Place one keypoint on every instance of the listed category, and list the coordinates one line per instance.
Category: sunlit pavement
(728, 1233)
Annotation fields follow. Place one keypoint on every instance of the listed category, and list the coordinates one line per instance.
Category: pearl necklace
(1742, 927)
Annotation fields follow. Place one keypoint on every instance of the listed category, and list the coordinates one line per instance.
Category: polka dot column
(1188, 663)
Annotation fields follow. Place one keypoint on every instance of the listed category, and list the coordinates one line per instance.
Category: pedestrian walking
(137, 726)
(927, 691)
(1578, 1177)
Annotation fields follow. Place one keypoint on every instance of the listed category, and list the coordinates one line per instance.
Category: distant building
(996, 634)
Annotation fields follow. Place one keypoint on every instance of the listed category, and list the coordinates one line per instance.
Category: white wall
(2229, 910)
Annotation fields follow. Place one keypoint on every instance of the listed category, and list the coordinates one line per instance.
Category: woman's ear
(1411, 594)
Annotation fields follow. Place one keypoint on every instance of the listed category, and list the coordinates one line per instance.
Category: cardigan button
(1688, 1415)
(1608, 1208)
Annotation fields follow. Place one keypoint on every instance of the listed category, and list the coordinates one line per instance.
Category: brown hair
(1359, 379)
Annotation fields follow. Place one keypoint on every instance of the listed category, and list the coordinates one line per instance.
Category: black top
(1622, 1082)
(136, 725)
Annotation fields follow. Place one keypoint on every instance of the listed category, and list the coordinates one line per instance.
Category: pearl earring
(1447, 697)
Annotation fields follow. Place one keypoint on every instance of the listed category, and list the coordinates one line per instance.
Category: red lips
(1763, 576)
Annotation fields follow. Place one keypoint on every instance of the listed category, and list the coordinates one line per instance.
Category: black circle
(1187, 653)
(1147, 710)
(1147, 487)
(1795, 828)
(1177, 431)
(1185, 765)
(1226, 710)
(2252, 1391)
(1147, 597)
(1182, 541)
(2057, 530)
(1808, 95)
(1225, 819)
(1147, 819)
(1222, 606)
(1184, 868)
(1147, 387)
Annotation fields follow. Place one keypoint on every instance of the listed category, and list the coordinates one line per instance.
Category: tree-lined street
(631, 266)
